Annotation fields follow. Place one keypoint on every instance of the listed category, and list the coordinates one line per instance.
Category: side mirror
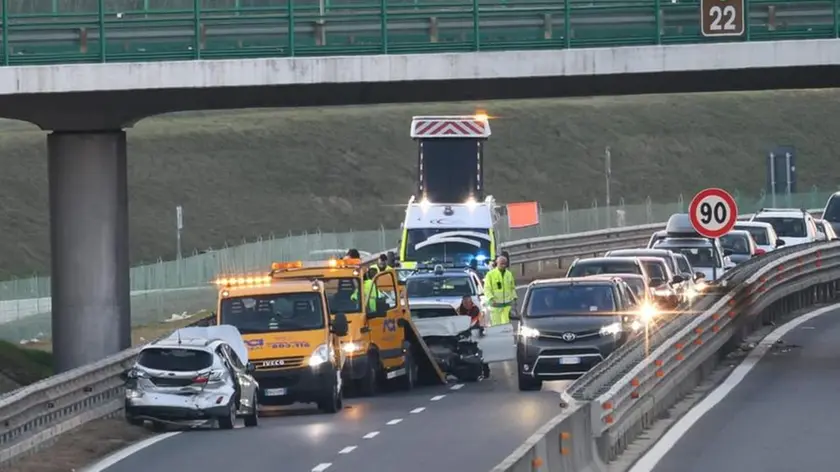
(699, 276)
(250, 368)
(339, 324)
(727, 252)
(656, 282)
(780, 242)
(727, 263)
(759, 251)
(678, 279)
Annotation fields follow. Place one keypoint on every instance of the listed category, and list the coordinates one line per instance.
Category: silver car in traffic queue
(196, 376)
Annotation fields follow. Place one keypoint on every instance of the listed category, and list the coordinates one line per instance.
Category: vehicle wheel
(134, 421)
(368, 385)
(485, 370)
(334, 402)
(528, 384)
(229, 420)
(253, 419)
(409, 380)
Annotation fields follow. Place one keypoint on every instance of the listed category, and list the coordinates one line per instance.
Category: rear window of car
(737, 243)
(787, 227)
(759, 234)
(682, 262)
(176, 360)
(584, 269)
(655, 269)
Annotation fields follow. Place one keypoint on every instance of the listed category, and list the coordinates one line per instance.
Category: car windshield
(272, 313)
(655, 269)
(760, 235)
(604, 266)
(637, 284)
(832, 210)
(699, 256)
(737, 243)
(424, 313)
(787, 227)
(457, 245)
(570, 299)
(175, 360)
(439, 286)
(683, 265)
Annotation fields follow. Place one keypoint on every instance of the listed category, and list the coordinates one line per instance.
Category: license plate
(274, 392)
(570, 360)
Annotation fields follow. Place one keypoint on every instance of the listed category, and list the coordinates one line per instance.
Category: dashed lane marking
(347, 450)
(457, 387)
(437, 397)
(417, 410)
(322, 467)
(370, 435)
(394, 421)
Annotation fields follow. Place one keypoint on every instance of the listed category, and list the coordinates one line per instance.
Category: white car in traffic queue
(763, 234)
(197, 376)
(794, 226)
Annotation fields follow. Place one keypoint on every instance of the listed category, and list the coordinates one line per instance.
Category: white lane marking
(417, 410)
(394, 421)
(437, 397)
(112, 459)
(647, 462)
(347, 450)
(370, 435)
(457, 387)
(322, 467)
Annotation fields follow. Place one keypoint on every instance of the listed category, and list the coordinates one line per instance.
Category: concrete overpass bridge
(87, 76)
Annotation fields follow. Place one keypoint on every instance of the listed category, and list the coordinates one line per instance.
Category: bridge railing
(129, 30)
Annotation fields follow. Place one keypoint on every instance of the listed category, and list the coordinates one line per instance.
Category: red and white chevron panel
(455, 127)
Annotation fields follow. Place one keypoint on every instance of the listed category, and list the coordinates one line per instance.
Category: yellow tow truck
(382, 344)
(292, 340)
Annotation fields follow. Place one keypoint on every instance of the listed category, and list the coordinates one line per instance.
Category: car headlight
(351, 347)
(320, 355)
(700, 286)
(635, 325)
(611, 329)
(647, 312)
(527, 332)
(662, 293)
(132, 393)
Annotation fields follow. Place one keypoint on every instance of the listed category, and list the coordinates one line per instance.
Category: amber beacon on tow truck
(382, 344)
(291, 338)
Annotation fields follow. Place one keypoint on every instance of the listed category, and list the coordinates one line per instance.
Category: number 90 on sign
(713, 213)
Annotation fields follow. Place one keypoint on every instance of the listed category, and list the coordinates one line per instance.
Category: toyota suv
(568, 325)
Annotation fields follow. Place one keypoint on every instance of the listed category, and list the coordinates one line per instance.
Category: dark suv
(568, 325)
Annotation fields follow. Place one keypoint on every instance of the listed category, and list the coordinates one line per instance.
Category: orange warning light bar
(243, 280)
(286, 265)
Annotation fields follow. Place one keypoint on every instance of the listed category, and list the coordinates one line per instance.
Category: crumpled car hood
(444, 326)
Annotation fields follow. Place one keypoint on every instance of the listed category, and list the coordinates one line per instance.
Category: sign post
(179, 225)
(722, 17)
(713, 212)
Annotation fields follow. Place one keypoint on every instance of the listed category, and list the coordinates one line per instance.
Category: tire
(253, 420)
(334, 402)
(409, 380)
(368, 385)
(229, 420)
(529, 384)
(485, 370)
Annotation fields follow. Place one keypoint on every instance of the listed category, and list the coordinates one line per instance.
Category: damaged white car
(197, 376)
(451, 339)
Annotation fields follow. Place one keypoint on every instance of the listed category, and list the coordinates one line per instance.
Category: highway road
(466, 427)
(782, 417)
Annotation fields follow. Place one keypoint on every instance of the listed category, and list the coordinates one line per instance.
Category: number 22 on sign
(713, 212)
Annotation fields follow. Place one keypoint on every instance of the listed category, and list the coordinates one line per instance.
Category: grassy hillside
(244, 173)
(20, 366)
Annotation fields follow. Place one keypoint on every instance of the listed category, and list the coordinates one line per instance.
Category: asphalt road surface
(783, 417)
(465, 427)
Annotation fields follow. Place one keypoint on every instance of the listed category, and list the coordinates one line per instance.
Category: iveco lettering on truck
(382, 344)
(290, 336)
(449, 219)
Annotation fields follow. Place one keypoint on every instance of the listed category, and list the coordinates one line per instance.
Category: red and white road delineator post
(713, 212)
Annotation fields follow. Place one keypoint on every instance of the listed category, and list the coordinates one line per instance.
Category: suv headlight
(611, 329)
(351, 347)
(320, 355)
(527, 332)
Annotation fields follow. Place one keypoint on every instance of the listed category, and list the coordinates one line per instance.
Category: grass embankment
(243, 173)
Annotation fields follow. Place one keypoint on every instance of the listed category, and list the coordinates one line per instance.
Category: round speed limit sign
(713, 212)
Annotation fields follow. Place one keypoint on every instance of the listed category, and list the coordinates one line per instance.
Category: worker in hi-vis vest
(500, 292)
(368, 288)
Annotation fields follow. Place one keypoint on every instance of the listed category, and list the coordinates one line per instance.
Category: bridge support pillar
(91, 304)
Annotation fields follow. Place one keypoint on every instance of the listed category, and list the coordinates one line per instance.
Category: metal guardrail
(33, 416)
(293, 29)
(600, 423)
